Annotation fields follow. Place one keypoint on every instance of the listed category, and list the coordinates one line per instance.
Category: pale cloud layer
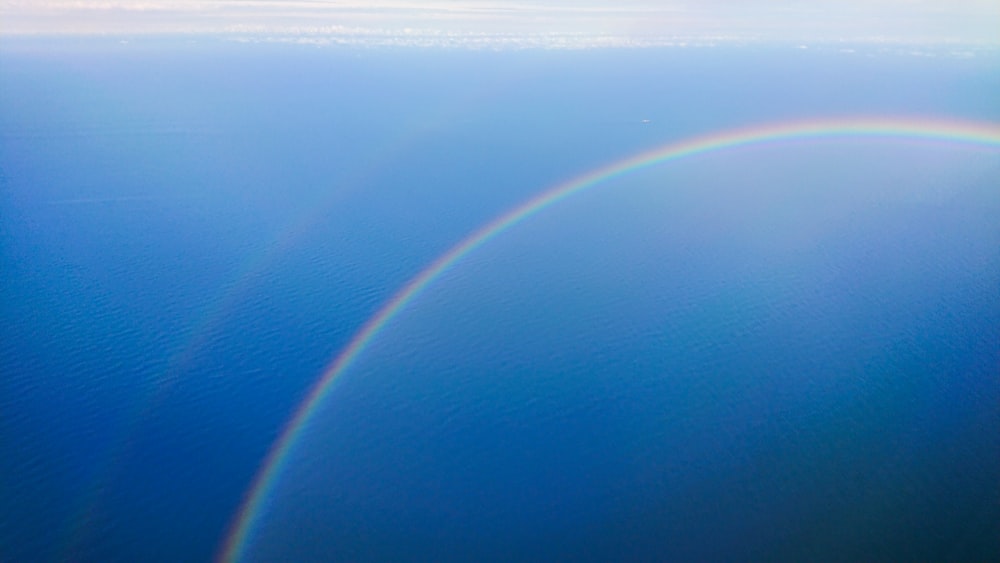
(519, 23)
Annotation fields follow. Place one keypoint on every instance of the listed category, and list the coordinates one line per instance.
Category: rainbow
(950, 131)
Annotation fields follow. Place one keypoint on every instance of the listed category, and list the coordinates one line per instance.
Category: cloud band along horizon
(913, 128)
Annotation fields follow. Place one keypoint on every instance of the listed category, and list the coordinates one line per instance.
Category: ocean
(780, 350)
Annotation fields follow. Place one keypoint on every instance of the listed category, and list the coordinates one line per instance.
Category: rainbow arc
(945, 131)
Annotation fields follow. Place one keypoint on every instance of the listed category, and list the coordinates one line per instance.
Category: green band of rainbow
(961, 132)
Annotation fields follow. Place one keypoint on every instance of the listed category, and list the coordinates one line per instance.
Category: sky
(520, 22)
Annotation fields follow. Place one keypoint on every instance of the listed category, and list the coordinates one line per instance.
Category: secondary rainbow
(949, 131)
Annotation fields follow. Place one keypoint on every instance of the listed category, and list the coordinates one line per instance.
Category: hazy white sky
(595, 21)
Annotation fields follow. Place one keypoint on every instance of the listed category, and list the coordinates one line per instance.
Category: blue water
(784, 353)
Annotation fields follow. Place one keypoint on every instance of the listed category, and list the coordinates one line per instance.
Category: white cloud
(625, 22)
